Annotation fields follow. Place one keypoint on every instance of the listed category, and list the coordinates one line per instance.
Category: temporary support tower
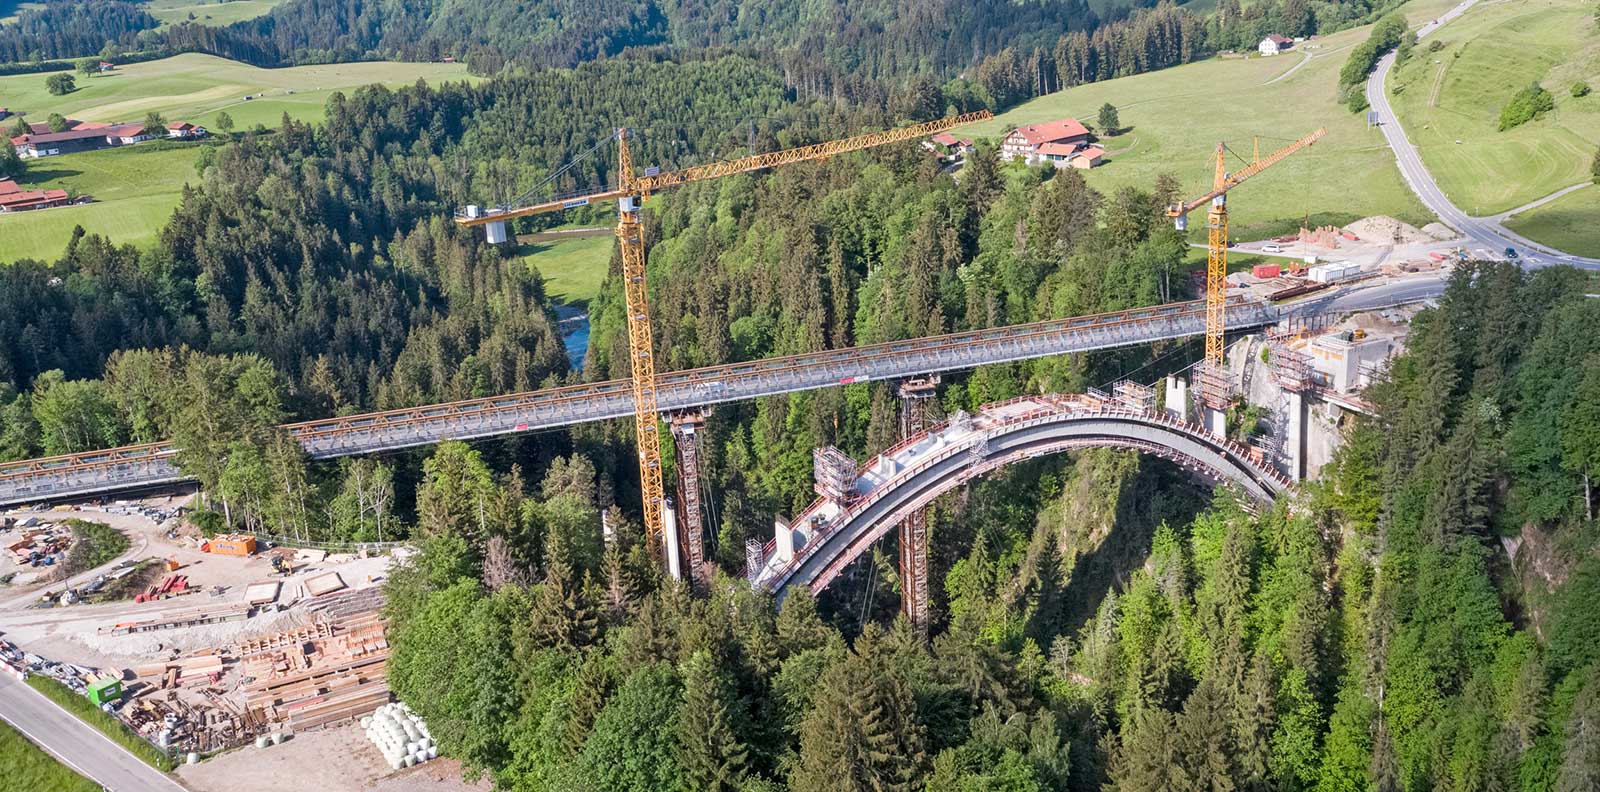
(687, 427)
(916, 403)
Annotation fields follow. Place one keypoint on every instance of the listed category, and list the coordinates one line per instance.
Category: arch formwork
(830, 534)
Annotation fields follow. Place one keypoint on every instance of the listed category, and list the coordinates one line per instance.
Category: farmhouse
(185, 131)
(1064, 144)
(946, 143)
(88, 136)
(1025, 141)
(1274, 44)
(16, 199)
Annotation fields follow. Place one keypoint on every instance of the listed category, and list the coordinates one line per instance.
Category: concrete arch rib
(828, 536)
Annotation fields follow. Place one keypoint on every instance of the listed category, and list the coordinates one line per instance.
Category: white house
(1274, 44)
(1027, 141)
(185, 131)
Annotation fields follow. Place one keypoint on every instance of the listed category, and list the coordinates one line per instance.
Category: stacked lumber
(283, 640)
(183, 672)
(319, 675)
(346, 605)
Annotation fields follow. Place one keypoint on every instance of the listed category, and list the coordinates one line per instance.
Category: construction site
(231, 644)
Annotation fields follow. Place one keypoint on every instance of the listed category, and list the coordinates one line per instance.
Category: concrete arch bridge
(861, 504)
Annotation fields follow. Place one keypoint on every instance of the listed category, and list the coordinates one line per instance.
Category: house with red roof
(186, 131)
(1024, 141)
(16, 199)
(41, 141)
(946, 143)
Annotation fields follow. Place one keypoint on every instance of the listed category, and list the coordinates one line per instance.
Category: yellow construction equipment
(631, 190)
(1213, 388)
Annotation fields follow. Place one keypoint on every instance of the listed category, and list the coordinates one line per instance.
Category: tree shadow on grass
(36, 176)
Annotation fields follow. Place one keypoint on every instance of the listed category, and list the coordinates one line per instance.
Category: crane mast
(632, 188)
(1211, 373)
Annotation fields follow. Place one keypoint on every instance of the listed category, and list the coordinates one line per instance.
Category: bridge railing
(856, 505)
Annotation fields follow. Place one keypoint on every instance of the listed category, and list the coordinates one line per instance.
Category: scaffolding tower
(835, 474)
(916, 414)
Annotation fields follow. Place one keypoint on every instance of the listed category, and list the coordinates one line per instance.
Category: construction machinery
(631, 191)
(1211, 373)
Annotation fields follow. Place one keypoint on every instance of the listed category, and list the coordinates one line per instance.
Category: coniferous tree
(1205, 744)
(862, 732)
(709, 751)
(1580, 755)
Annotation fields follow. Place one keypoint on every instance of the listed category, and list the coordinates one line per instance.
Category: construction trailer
(104, 690)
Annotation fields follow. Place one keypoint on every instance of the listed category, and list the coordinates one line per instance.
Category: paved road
(1562, 193)
(1369, 296)
(1485, 233)
(76, 743)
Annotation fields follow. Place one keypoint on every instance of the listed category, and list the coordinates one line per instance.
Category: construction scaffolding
(834, 473)
(1133, 396)
(687, 427)
(916, 408)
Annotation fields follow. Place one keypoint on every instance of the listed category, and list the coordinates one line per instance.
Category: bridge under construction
(859, 504)
(150, 465)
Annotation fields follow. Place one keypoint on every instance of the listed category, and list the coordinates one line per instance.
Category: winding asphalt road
(75, 743)
(1483, 232)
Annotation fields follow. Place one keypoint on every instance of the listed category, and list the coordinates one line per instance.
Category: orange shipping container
(232, 544)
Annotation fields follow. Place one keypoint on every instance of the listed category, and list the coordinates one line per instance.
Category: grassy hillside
(28, 767)
(215, 14)
(1456, 93)
(193, 87)
(1571, 223)
(572, 269)
(1176, 116)
(135, 188)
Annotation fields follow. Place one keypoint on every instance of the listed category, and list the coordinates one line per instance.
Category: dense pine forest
(992, 53)
(1422, 619)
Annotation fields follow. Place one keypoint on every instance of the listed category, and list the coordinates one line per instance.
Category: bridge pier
(690, 534)
(916, 402)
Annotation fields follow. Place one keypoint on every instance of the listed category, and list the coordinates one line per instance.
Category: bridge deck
(134, 467)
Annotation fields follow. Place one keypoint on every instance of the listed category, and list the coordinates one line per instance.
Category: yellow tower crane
(632, 188)
(1213, 385)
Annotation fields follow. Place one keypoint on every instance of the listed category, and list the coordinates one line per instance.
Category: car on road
(1271, 247)
(1511, 253)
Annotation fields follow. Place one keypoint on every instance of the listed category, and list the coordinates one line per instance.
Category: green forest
(992, 53)
(1103, 625)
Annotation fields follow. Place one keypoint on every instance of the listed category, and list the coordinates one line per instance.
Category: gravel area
(328, 760)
